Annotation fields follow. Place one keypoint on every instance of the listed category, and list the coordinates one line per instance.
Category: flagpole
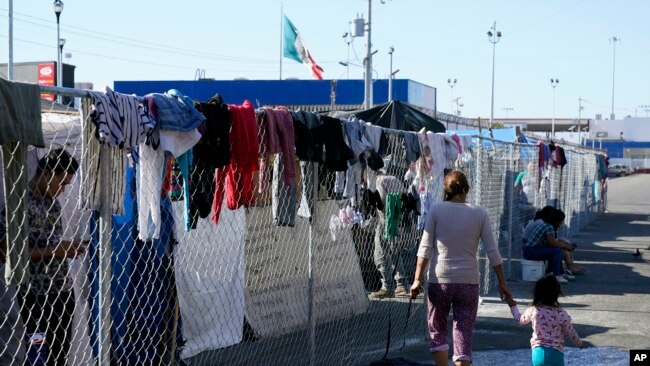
(281, 35)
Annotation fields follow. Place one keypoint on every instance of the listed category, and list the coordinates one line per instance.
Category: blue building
(320, 94)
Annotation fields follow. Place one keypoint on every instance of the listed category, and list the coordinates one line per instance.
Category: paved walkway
(610, 305)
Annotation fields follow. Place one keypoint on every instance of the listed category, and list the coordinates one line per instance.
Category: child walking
(550, 323)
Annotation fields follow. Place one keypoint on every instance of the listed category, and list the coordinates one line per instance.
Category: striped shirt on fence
(120, 119)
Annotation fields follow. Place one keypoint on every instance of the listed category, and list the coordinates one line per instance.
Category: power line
(174, 66)
(84, 32)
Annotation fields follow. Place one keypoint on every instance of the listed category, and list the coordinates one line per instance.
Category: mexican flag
(296, 49)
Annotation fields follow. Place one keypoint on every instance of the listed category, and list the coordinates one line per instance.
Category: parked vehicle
(619, 170)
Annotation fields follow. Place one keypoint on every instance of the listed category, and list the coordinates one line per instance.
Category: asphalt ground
(609, 305)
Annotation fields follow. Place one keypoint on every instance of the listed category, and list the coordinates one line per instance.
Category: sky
(434, 41)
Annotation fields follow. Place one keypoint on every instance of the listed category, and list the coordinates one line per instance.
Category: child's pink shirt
(550, 324)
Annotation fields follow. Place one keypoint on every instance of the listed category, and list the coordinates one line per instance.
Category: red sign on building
(46, 74)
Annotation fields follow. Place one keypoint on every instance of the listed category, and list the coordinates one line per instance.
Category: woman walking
(450, 242)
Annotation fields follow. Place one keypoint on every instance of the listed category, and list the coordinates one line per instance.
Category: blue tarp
(141, 284)
(503, 134)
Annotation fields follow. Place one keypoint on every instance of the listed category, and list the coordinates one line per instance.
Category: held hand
(504, 292)
(415, 289)
(511, 302)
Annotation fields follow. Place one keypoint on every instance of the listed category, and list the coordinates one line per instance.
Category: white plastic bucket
(531, 271)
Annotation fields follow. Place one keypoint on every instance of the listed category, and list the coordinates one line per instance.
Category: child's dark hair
(57, 161)
(547, 291)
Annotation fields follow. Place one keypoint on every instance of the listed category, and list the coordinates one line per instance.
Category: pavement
(609, 305)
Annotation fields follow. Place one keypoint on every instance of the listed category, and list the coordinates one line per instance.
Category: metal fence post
(105, 252)
(510, 188)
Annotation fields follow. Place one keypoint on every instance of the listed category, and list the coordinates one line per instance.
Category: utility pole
(580, 107)
(367, 102)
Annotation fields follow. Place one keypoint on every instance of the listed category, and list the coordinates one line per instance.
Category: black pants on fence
(52, 315)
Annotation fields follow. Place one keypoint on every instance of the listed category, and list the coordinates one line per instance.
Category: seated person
(540, 243)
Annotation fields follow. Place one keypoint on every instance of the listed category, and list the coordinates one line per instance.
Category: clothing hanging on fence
(283, 201)
(309, 136)
(309, 148)
(602, 166)
(426, 201)
(176, 112)
(91, 163)
(451, 151)
(377, 138)
(20, 113)
(120, 120)
(393, 215)
(560, 156)
(411, 146)
(355, 131)
(409, 208)
(211, 152)
(177, 120)
(438, 158)
(236, 179)
(424, 163)
(214, 148)
(375, 135)
(540, 151)
(150, 181)
(337, 152)
(277, 136)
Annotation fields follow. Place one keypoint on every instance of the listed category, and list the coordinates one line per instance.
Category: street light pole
(554, 83)
(58, 9)
(493, 36)
(452, 84)
(613, 41)
(507, 109)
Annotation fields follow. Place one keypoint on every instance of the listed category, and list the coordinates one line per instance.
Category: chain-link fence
(286, 269)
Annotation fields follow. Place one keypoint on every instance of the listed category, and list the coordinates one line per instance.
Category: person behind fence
(389, 249)
(46, 301)
(540, 244)
(550, 323)
(525, 189)
(450, 241)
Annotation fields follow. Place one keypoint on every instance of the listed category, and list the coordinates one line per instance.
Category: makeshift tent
(395, 115)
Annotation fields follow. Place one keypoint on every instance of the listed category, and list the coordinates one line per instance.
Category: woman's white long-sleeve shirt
(451, 241)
